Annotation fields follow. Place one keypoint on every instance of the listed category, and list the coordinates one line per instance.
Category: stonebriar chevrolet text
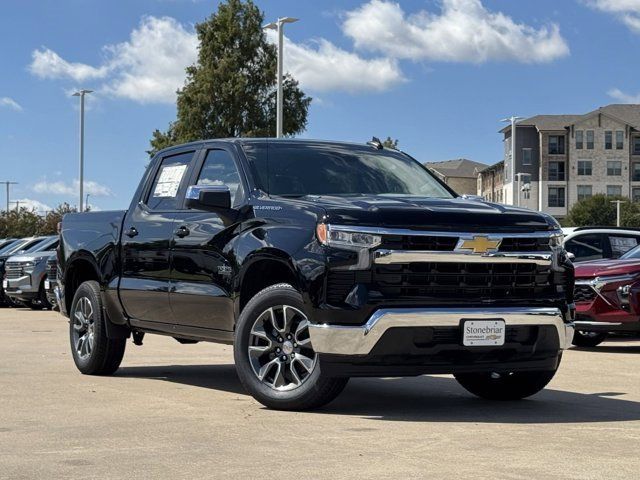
(319, 261)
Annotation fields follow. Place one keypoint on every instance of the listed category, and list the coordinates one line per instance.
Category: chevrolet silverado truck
(319, 261)
(607, 297)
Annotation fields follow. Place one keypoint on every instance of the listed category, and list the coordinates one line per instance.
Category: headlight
(555, 240)
(342, 237)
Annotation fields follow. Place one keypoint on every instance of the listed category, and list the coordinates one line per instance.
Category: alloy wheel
(83, 327)
(280, 350)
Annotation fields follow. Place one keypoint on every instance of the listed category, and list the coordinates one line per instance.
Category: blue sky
(437, 75)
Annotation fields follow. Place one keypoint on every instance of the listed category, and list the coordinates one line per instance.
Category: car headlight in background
(28, 266)
(342, 237)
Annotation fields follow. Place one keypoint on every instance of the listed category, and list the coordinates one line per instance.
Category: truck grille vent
(448, 244)
(13, 270)
(52, 268)
(465, 281)
(583, 293)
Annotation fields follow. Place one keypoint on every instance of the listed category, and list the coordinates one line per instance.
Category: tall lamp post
(278, 26)
(618, 203)
(513, 120)
(86, 202)
(81, 94)
(8, 185)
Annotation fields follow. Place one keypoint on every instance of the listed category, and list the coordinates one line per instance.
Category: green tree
(599, 211)
(231, 90)
(19, 223)
(50, 221)
(390, 143)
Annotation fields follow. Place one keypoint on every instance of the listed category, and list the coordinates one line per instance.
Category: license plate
(483, 333)
(5, 283)
(47, 285)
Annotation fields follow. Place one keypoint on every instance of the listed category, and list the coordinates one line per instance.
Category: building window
(636, 172)
(584, 192)
(590, 137)
(614, 191)
(579, 139)
(526, 156)
(556, 144)
(636, 145)
(614, 168)
(608, 140)
(556, 196)
(556, 171)
(584, 167)
(635, 194)
(619, 139)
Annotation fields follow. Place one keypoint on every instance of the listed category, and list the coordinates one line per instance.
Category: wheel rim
(280, 350)
(83, 328)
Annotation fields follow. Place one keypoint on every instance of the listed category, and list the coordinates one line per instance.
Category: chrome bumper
(360, 340)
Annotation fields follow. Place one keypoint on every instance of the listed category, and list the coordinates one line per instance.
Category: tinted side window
(220, 169)
(586, 247)
(621, 244)
(164, 191)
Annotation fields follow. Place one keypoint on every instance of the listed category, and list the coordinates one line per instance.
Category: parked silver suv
(25, 274)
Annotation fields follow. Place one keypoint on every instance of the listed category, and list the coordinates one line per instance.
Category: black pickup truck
(319, 261)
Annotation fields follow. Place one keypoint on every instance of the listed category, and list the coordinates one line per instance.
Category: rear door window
(587, 247)
(163, 194)
(621, 244)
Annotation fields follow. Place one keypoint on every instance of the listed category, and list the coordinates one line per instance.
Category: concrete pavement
(178, 411)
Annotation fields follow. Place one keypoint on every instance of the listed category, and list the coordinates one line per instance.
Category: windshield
(297, 169)
(45, 244)
(633, 253)
(9, 247)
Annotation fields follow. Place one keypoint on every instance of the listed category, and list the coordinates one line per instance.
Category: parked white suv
(595, 243)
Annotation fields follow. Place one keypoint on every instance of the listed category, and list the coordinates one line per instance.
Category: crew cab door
(201, 271)
(147, 233)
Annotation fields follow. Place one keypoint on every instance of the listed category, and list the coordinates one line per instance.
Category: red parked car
(607, 296)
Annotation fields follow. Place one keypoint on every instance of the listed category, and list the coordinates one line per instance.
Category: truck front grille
(464, 281)
(13, 270)
(583, 294)
(437, 243)
(52, 269)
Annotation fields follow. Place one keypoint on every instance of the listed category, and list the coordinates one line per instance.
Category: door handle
(132, 232)
(182, 231)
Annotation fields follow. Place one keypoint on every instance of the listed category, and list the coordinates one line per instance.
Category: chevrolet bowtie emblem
(479, 244)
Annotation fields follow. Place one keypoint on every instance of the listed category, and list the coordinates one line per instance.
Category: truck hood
(419, 213)
(601, 268)
(31, 257)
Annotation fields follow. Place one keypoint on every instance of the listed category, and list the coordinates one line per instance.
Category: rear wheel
(588, 339)
(93, 352)
(274, 357)
(505, 386)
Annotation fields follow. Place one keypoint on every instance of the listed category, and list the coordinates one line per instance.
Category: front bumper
(360, 340)
(21, 288)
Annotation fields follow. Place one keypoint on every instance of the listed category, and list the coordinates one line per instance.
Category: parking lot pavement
(178, 411)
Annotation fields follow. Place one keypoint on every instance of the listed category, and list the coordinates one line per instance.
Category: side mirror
(208, 197)
(571, 256)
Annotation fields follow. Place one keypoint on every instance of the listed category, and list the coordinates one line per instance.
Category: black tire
(506, 386)
(103, 355)
(588, 339)
(316, 389)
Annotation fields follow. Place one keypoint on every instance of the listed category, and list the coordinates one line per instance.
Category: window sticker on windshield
(169, 181)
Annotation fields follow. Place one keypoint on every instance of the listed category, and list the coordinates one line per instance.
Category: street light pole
(618, 203)
(279, 27)
(513, 120)
(81, 94)
(86, 202)
(8, 185)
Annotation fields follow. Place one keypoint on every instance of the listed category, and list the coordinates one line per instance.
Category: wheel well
(261, 275)
(79, 271)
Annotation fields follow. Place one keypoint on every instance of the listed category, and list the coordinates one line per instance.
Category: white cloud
(623, 97)
(64, 188)
(10, 103)
(464, 31)
(322, 66)
(628, 11)
(31, 204)
(149, 67)
(46, 63)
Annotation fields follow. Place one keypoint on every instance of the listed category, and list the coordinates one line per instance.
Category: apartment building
(460, 174)
(561, 159)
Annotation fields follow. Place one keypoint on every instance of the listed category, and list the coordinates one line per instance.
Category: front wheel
(93, 352)
(588, 339)
(505, 386)
(274, 357)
